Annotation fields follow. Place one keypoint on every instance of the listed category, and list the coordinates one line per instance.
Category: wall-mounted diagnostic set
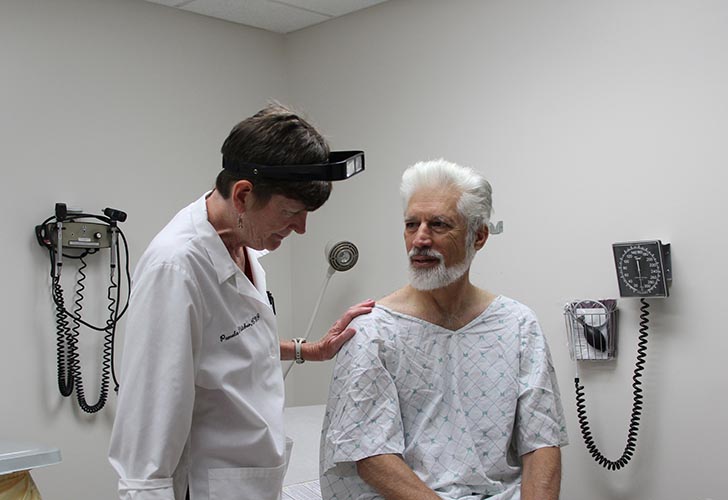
(643, 271)
(70, 236)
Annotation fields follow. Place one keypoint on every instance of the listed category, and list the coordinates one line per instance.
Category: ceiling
(279, 16)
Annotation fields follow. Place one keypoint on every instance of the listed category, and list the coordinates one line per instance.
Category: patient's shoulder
(399, 300)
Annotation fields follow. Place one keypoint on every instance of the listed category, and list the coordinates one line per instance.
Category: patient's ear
(481, 236)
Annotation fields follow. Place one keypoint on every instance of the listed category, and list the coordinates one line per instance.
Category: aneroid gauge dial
(643, 268)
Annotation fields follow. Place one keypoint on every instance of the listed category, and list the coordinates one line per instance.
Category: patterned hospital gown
(460, 406)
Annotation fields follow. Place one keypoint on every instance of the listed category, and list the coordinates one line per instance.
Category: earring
(240, 221)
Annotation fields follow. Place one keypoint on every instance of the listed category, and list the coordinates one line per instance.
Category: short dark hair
(276, 136)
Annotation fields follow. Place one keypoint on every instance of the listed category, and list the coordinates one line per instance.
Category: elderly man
(448, 390)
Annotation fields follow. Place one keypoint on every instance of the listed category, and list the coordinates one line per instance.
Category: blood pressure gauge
(643, 268)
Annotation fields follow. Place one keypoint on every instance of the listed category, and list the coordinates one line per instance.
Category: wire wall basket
(591, 329)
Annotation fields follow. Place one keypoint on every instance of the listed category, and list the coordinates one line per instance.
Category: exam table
(303, 426)
(16, 461)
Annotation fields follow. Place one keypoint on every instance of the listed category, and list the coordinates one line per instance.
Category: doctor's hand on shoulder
(327, 346)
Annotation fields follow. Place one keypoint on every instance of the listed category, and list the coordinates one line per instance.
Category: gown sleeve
(362, 415)
(540, 416)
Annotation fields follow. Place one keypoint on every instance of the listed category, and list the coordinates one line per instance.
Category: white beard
(439, 276)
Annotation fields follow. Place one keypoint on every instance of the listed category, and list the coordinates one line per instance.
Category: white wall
(116, 103)
(596, 122)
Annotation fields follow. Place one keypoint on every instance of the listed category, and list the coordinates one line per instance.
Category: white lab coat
(201, 398)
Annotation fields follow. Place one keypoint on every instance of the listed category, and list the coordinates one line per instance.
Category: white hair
(476, 201)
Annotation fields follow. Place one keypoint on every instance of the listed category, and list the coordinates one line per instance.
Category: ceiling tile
(331, 7)
(280, 16)
(169, 3)
(272, 16)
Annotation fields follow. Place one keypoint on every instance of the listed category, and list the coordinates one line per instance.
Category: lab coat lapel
(255, 291)
(225, 267)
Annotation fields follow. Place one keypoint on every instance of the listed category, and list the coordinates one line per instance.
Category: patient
(447, 391)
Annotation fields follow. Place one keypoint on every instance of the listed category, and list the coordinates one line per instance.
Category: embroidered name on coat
(240, 328)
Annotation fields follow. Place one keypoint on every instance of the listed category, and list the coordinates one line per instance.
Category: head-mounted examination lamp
(341, 165)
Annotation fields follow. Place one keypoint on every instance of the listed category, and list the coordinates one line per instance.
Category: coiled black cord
(634, 421)
(106, 358)
(68, 358)
(63, 333)
(75, 357)
(72, 342)
(111, 332)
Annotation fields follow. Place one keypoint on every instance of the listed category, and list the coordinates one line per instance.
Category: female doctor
(200, 407)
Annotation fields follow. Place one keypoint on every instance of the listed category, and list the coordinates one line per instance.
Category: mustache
(425, 252)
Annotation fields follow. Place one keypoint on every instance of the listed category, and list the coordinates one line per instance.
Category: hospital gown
(460, 407)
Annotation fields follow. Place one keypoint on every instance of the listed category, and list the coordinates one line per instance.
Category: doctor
(200, 407)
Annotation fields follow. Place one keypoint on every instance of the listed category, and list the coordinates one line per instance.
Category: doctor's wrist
(310, 351)
(298, 355)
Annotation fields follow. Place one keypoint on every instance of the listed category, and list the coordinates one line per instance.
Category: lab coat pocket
(246, 483)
